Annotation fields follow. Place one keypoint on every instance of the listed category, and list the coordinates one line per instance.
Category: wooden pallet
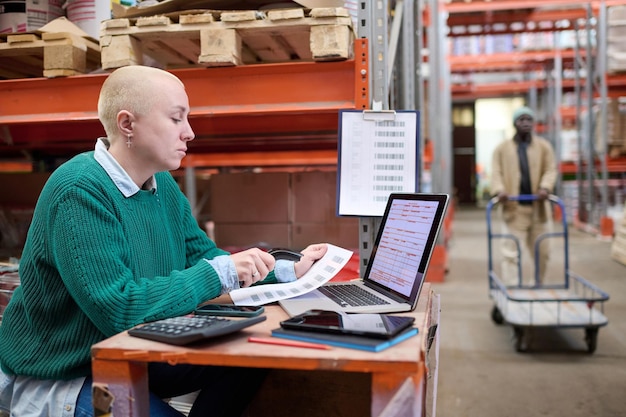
(212, 38)
(49, 54)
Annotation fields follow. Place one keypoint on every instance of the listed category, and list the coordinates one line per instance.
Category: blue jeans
(224, 391)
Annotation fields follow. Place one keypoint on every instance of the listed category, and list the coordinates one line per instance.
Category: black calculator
(191, 328)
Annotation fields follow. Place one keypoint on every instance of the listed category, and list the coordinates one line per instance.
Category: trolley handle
(554, 200)
(532, 197)
(525, 197)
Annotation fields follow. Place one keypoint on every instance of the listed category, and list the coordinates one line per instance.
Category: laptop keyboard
(351, 295)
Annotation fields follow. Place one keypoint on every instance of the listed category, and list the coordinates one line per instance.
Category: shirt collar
(120, 178)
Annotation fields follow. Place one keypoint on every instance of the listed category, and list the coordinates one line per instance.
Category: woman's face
(160, 137)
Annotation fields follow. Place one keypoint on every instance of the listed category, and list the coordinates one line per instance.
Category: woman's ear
(125, 122)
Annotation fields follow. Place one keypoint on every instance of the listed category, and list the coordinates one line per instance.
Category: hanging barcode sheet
(378, 155)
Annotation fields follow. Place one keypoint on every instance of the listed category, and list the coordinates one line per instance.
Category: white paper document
(320, 273)
(378, 155)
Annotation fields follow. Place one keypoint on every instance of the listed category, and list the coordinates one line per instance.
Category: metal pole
(591, 120)
(558, 101)
(419, 48)
(446, 160)
(379, 54)
(533, 102)
(408, 56)
(392, 49)
(439, 102)
(579, 135)
(372, 17)
(601, 34)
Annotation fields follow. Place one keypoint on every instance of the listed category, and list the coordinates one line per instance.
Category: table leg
(397, 394)
(127, 383)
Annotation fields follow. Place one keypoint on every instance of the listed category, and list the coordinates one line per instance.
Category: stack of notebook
(346, 341)
(373, 332)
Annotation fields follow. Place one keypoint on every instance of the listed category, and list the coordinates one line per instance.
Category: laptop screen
(405, 243)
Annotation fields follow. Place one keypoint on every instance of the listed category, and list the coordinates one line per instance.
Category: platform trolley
(572, 303)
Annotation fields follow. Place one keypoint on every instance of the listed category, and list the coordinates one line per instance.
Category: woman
(112, 244)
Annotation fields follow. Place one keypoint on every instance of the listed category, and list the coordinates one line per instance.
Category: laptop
(398, 263)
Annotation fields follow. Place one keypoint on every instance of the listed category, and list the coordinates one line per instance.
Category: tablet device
(381, 326)
(229, 310)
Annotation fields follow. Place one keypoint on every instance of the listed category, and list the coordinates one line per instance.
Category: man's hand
(502, 196)
(543, 194)
(310, 254)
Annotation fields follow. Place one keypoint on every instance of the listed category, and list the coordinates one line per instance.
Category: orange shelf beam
(15, 166)
(262, 159)
(493, 5)
(269, 107)
(612, 165)
(615, 82)
(504, 61)
(494, 89)
(491, 22)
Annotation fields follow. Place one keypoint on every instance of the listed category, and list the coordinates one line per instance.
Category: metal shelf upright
(395, 33)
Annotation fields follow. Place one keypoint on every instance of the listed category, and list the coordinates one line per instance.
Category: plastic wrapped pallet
(616, 48)
(27, 15)
(618, 247)
(88, 14)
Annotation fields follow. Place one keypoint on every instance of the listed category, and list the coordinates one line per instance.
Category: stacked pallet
(55, 51)
(616, 123)
(616, 127)
(616, 51)
(618, 247)
(222, 38)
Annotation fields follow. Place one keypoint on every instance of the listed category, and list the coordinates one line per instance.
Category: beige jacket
(505, 172)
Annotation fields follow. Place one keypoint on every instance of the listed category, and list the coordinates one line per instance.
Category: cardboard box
(250, 198)
(170, 6)
(279, 210)
(344, 233)
(21, 189)
(234, 237)
(315, 197)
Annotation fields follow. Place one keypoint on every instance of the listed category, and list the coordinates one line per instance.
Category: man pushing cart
(572, 302)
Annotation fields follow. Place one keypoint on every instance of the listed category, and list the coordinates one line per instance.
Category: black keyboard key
(351, 295)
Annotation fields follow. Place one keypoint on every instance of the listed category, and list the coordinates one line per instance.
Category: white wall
(494, 123)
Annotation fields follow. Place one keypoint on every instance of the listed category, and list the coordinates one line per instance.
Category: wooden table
(341, 381)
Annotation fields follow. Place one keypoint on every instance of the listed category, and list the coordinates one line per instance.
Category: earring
(129, 141)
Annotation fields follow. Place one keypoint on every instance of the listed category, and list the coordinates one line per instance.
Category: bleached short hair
(134, 88)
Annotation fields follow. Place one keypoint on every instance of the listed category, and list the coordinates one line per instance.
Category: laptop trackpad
(311, 295)
(313, 299)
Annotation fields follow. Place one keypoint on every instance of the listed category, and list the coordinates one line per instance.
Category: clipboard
(378, 153)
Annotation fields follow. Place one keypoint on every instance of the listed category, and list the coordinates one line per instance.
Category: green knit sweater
(96, 263)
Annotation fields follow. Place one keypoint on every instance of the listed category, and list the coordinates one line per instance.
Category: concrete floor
(480, 372)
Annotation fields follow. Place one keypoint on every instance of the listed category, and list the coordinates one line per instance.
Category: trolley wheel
(496, 315)
(520, 339)
(591, 337)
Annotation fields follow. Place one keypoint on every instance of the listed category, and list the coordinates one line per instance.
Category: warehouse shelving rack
(266, 115)
(257, 108)
(479, 17)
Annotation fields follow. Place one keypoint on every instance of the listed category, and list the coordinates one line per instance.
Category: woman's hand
(252, 265)
(310, 255)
